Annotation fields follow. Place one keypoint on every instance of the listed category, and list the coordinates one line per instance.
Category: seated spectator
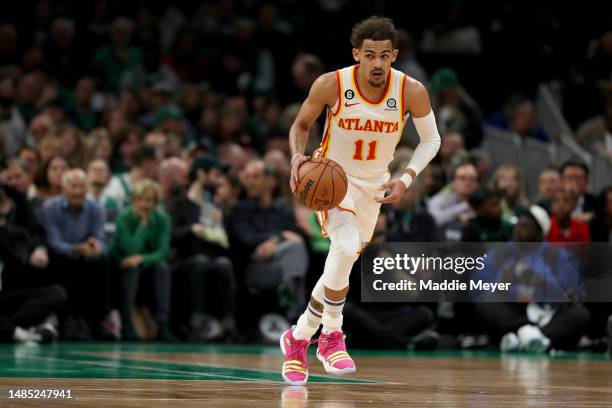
(74, 226)
(145, 164)
(306, 68)
(32, 157)
(173, 178)
(488, 225)
(40, 126)
(187, 59)
(518, 116)
(80, 104)
(28, 253)
(264, 233)
(523, 318)
(119, 57)
(19, 176)
(433, 179)
(23, 310)
(508, 182)
(452, 34)
(202, 265)
(385, 325)
(227, 192)
(601, 224)
(452, 150)
(575, 178)
(450, 208)
(596, 133)
(72, 145)
(549, 182)
(482, 161)
(22, 214)
(141, 247)
(562, 227)
(408, 222)
(98, 176)
(599, 268)
(101, 146)
(455, 108)
(49, 182)
(278, 159)
(407, 61)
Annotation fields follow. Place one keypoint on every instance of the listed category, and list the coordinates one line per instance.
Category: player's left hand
(397, 188)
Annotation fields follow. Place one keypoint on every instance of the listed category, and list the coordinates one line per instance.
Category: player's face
(375, 59)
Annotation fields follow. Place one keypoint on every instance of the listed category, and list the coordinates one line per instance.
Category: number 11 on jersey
(359, 150)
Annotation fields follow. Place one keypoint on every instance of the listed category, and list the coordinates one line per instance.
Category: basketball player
(367, 107)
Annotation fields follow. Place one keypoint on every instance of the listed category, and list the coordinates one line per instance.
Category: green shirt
(319, 243)
(113, 68)
(152, 240)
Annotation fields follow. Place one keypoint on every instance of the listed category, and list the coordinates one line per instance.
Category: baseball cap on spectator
(443, 78)
(540, 216)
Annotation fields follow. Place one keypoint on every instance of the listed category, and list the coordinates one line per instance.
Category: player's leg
(331, 349)
(343, 252)
(344, 236)
(310, 321)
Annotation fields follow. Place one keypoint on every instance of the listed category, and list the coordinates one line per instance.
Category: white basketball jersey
(361, 134)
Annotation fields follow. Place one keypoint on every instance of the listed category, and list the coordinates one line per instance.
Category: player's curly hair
(374, 28)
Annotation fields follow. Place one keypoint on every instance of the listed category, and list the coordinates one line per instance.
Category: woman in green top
(141, 245)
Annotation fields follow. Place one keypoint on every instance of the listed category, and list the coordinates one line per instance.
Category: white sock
(310, 321)
(332, 315)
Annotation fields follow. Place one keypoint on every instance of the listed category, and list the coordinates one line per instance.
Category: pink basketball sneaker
(332, 353)
(295, 370)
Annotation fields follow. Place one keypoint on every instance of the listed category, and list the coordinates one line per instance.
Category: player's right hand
(296, 162)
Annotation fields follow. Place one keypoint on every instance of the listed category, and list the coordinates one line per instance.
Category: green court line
(241, 373)
(79, 360)
(274, 350)
(66, 361)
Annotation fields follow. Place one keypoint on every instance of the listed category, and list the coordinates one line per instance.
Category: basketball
(322, 184)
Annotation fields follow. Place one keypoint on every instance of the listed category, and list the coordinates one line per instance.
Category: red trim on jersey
(403, 113)
(339, 93)
(325, 141)
(346, 209)
(387, 85)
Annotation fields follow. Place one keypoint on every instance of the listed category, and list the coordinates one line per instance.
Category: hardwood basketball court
(153, 375)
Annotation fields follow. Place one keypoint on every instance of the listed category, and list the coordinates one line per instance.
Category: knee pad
(345, 242)
(343, 253)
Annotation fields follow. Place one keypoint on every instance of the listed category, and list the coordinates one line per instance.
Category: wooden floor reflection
(207, 376)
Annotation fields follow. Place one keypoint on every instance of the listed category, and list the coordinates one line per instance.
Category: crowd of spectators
(144, 173)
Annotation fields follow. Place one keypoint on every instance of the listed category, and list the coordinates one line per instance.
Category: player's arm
(417, 103)
(323, 92)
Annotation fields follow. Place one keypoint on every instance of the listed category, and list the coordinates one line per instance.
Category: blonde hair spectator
(147, 186)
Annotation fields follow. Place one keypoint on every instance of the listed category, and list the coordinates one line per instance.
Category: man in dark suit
(575, 178)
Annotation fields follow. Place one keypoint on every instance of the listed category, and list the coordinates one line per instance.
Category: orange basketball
(322, 184)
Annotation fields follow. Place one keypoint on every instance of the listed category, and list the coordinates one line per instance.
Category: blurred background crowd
(144, 162)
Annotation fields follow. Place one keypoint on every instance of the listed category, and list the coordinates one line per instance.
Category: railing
(551, 118)
(532, 156)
